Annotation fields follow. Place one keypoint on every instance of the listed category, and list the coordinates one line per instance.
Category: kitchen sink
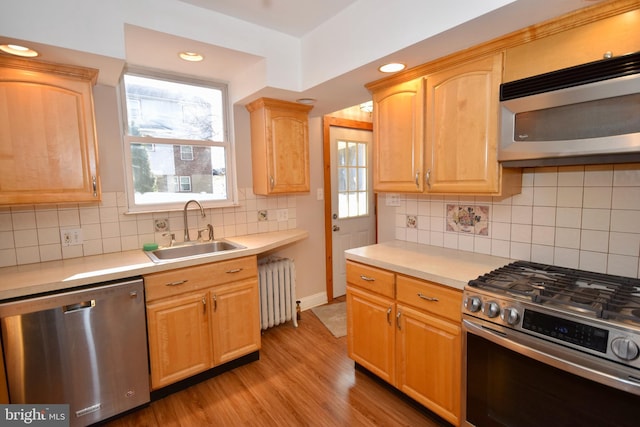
(193, 250)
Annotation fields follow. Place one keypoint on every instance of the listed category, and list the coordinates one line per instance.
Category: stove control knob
(624, 348)
(491, 309)
(510, 315)
(472, 304)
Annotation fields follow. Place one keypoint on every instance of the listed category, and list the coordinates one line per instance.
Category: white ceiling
(293, 17)
(286, 49)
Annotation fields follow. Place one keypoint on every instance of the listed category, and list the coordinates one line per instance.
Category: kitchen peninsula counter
(450, 267)
(31, 279)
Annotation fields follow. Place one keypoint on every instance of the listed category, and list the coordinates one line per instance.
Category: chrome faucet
(186, 222)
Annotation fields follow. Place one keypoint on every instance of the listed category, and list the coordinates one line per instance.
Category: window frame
(227, 144)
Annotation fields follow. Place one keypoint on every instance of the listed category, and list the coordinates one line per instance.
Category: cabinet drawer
(430, 297)
(174, 282)
(371, 278)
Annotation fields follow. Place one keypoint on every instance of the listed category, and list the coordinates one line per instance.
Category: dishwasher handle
(71, 308)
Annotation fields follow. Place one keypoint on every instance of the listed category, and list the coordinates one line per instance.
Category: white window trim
(230, 160)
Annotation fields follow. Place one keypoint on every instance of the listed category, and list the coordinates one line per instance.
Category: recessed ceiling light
(306, 101)
(18, 50)
(392, 67)
(191, 56)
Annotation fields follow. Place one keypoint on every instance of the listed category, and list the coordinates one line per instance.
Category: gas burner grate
(595, 294)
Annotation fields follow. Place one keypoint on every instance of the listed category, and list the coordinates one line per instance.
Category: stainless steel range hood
(588, 114)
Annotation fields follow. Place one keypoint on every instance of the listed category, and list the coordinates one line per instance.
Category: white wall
(585, 217)
(30, 234)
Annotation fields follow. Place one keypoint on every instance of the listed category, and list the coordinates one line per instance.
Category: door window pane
(353, 198)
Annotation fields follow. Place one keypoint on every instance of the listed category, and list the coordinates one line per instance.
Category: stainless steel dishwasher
(86, 348)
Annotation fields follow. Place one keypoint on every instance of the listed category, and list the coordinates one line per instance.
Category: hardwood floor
(303, 378)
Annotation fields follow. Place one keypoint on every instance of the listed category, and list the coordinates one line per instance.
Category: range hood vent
(591, 72)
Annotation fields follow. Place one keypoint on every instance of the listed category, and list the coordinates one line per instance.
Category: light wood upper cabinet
(438, 134)
(461, 121)
(617, 34)
(398, 149)
(279, 146)
(48, 147)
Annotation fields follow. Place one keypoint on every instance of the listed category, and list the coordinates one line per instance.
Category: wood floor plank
(303, 378)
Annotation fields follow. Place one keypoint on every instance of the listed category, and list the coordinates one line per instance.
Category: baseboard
(313, 301)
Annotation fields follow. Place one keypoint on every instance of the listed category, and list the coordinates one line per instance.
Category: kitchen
(522, 225)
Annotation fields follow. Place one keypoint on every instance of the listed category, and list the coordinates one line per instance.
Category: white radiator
(277, 278)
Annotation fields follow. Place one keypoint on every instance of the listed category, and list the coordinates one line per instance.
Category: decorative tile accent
(161, 225)
(412, 221)
(262, 215)
(468, 219)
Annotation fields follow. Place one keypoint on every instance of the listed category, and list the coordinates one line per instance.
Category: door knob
(336, 228)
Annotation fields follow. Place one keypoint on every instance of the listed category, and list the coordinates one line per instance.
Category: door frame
(327, 122)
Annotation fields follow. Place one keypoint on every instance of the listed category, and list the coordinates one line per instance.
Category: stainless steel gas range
(547, 345)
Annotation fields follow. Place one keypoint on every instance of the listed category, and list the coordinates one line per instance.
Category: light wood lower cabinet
(412, 339)
(201, 317)
(370, 331)
(179, 343)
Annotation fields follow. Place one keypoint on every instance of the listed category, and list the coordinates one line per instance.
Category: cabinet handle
(94, 180)
(398, 320)
(418, 179)
(424, 297)
(235, 270)
(427, 177)
(389, 315)
(271, 181)
(367, 278)
(204, 305)
(179, 282)
(215, 304)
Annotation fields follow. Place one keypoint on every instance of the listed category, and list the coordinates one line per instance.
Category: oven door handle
(556, 355)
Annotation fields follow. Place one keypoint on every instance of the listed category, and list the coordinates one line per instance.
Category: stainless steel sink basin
(195, 250)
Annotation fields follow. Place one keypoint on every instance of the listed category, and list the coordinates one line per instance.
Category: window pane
(362, 179)
(362, 154)
(342, 153)
(165, 109)
(343, 207)
(353, 204)
(363, 205)
(352, 157)
(353, 185)
(161, 175)
(342, 179)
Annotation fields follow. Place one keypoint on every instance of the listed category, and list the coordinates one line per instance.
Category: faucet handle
(173, 237)
(208, 228)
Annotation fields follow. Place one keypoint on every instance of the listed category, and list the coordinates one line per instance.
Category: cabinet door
(429, 361)
(288, 152)
(279, 146)
(370, 332)
(179, 338)
(47, 140)
(462, 128)
(617, 34)
(397, 138)
(235, 320)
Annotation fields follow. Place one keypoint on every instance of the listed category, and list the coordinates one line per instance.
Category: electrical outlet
(71, 237)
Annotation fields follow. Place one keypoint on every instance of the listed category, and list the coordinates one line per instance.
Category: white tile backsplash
(575, 216)
(30, 234)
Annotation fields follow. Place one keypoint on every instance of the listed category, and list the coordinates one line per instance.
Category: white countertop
(50, 276)
(449, 267)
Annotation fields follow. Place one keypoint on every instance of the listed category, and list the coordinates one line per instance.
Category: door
(353, 216)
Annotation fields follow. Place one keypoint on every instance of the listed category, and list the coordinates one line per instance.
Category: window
(182, 183)
(353, 199)
(186, 152)
(176, 142)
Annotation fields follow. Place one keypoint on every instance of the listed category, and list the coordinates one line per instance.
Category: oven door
(513, 379)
